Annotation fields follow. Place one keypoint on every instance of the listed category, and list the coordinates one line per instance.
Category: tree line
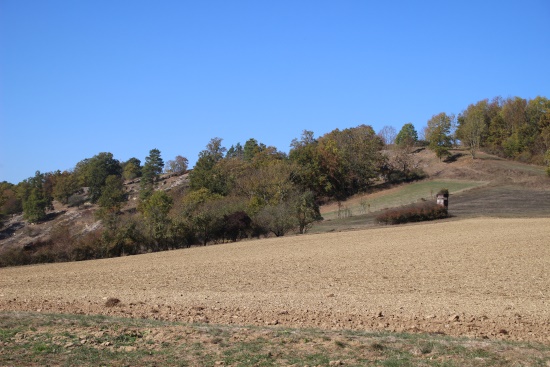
(248, 190)
(254, 190)
(515, 128)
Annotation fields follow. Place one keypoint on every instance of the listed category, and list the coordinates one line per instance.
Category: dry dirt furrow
(482, 277)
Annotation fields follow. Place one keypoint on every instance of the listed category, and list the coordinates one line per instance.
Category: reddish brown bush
(413, 213)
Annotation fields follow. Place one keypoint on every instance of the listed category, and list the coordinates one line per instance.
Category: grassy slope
(402, 195)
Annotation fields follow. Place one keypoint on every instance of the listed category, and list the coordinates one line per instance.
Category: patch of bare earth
(483, 277)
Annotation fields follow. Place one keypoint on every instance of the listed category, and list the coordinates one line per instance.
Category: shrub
(76, 200)
(236, 225)
(413, 213)
(14, 257)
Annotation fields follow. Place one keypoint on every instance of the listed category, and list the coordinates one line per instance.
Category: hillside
(75, 220)
(485, 186)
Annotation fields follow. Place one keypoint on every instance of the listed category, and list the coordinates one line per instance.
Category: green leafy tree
(155, 211)
(350, 160)
(66, 185)
(538, 117)
(268, 184)
(113, 194)
(34, 206)
(514, 117)
(306, 210)
(151, 170)
(94, 172)
(123, 237)
(4, 186)
(472, 126)
(514, 127)
(206, 173)
(252, 148)
(278, 219)
(438, 134)
(235, 152)
(82, 172)
(338, 164)
(308, 173)
(497, 130)
(131, 169)
(204, 211)
(10, 202)
(35, 201)
(208, 221)
(407, 136)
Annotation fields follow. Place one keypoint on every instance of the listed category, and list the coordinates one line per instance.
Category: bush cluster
(413, 213)
(60, 248)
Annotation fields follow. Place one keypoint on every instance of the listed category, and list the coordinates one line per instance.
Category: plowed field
(480, 277)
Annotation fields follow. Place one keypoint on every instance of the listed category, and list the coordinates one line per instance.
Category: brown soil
(482, 277)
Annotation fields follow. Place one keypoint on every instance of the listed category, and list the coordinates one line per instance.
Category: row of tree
(246, 190)
(514, 128)
(254, 189)
(102, 176)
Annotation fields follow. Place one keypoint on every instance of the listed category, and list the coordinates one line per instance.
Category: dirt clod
(111, 302)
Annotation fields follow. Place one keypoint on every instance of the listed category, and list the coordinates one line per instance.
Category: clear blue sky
(88, 76)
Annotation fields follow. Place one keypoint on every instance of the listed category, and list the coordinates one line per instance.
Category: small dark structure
(443, 199)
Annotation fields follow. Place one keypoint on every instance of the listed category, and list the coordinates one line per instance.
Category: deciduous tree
(472, 126)
(94, 172)
(204, 210)
(66, 184)
(131, 169)
(205, 173)
(236, 225)
(278, 219)
(438, 134)
(407, 136)
(306, 210)
(388, 135)
(349, 160)
(10, 202)
(35, 201)
(155, 210)
(177, 166)
(113, 194)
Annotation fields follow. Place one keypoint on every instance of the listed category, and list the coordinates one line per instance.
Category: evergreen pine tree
(150, 173)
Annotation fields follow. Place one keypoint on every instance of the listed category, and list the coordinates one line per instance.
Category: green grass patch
(69, 340)
(402, 195)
